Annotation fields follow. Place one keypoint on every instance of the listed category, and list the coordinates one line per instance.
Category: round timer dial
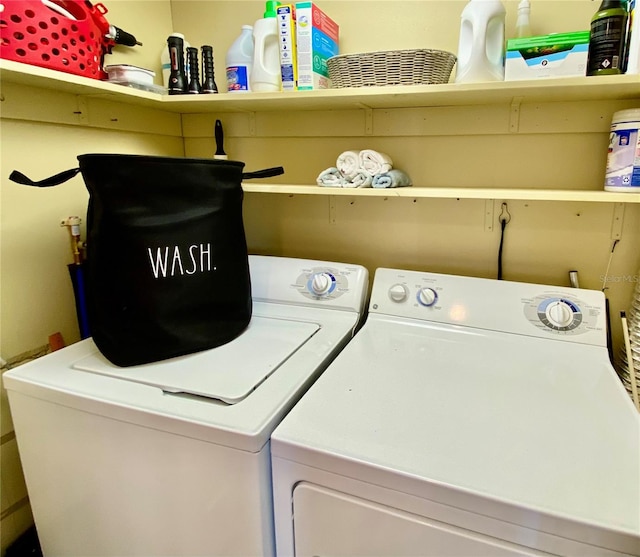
(321, 283)
(560, 314)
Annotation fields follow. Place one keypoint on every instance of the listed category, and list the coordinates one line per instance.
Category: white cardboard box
(557, 55)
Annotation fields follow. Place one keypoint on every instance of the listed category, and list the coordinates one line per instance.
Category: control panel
(310, 282)
(558, 313)
(572, 314)
(323, 283)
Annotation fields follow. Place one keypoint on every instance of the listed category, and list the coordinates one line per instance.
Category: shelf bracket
(82, 111)
(488, 214)
(368, 121)
(617, 221)
(514, 115)
(332, 209)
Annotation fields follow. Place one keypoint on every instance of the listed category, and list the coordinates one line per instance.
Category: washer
(172, 458)
(467, 417)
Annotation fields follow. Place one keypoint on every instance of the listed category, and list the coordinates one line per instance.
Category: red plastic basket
(64, 35)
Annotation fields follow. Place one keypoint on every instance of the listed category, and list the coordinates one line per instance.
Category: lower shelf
(451, 193)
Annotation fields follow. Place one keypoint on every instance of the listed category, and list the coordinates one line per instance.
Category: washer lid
(229, 372)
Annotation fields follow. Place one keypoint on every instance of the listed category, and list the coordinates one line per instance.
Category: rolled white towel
(331, 177)
(395, 178)
(362, 179)
(375, 162)
(348, 163)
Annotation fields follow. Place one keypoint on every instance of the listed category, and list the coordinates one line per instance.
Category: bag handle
(264, 173)
(60, 178)
(65, 176)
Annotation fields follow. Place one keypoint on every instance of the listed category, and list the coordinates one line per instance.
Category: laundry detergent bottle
(481, 45)
(265, 75)
(607, 39)
(239, 61)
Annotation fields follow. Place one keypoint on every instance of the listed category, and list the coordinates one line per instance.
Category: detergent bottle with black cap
(607, 38)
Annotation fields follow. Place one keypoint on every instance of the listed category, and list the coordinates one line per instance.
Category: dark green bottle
(607, 38)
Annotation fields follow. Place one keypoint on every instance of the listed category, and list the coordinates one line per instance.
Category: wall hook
(505, 215)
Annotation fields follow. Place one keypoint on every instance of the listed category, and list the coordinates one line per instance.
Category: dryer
(172, 458)
(468, 416)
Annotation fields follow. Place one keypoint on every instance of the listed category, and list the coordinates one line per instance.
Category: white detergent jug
(265, 74)
(239, 61)
(481, 46)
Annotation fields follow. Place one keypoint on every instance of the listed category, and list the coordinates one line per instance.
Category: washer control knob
(321, 284)
(560, 314)
(398, 293)
(427, 297)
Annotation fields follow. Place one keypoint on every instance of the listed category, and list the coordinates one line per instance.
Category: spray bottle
(265, 75)
(481, 46)
(523, 27)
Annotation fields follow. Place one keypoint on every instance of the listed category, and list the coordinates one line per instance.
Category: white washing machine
(468, 417)
(172, 458)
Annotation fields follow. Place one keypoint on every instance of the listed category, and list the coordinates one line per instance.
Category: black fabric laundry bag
(167, 269)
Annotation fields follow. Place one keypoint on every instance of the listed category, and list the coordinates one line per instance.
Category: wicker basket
(392, 67)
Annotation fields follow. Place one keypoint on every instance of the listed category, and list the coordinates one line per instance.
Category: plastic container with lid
(481, 45)
(265, 75)
(623, 156)
(239, 61)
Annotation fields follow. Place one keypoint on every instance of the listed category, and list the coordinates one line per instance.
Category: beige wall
(36, 293)
(371, 25)
(40, 135)
(555, 145)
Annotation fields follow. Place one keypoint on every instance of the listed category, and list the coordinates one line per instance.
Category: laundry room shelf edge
(415, 192)
(617, 87)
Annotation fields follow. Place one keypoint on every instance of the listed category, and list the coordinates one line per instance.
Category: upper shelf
(617, 87)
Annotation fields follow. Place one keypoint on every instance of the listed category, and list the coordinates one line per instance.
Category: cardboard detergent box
(317, 40)
(556, 55)
(288, 56)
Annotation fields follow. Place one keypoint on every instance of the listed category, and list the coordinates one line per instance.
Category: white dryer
(467, 417)
(172, 458)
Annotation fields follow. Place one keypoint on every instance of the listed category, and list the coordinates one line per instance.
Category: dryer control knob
(427, 297)
(321, 284)
(560, 314)
(398, 293)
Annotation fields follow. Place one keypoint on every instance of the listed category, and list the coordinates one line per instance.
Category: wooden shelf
(620, 87)
(415, 192)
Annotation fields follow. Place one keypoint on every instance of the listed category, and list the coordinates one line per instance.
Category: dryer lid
(228, 373)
